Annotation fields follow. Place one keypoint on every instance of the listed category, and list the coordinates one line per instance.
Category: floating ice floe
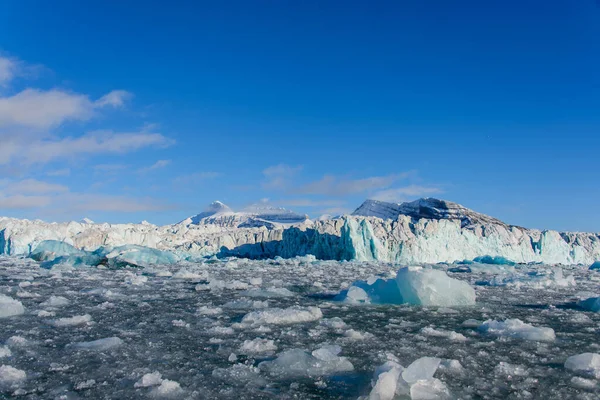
(392, 381)
(257, 346)
(11, 377)
(148, 380)
(10, 307)
(586, 363)
(298, 363)
(591, 304)
(595, 265)
(515, 328)
(553, 279)
(72, 321)
(413, 285)
(98, 345)
(285, 316)
(55, 301)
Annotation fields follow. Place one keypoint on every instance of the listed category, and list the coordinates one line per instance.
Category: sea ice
(516, 328)
(10, 376)
(72, 321)
(430, 287)
(586, 363)
(167, 388)
(297, 363)
(10, 307)
(279, 316)
(151, 379)
(591, 304)
(98, 345)
(431, 389)
(55, 301)
(412, 285)
(257, 346)
(421, 369)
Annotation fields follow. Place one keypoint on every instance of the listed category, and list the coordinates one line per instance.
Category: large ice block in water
(297, 363)
(586, 363)
(421, 369)
(430, 287)
(591, 304)
(497, 260)
(10, 307)
(48, 250)
(518, 329)
(379, 291)
(139, 256)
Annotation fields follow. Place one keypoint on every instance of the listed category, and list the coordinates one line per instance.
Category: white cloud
(311, 203)
(22, 202)
(157, 165)
(38, 109)
(83, 202)
(278, 177)
(59, 172)
(196, 177)
(116, 98)
(33, 186)
(7, 70)
(330, 185)
(406, 193)
(44, 150)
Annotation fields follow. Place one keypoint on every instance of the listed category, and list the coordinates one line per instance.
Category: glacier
(424, 231)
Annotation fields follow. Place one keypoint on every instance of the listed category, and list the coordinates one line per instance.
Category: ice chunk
(388, 382)
(257, 346)
(451, 335)
(379, 291)
(586, 363)
(516, 328)
(10, 307)
(421, 369)
(48, 250)
(5, 352)
(432, 389)
(55, 301)
(140, 256)
(99, 345)
(72, 321)
(239, 375)
(509, 370)
(591, 304)
(279, 316)
(11, 377)
(595, 265)
(496, 260)
(356, 295)
(167, 388)
(152, 379)
(298, 363)
(429, 287)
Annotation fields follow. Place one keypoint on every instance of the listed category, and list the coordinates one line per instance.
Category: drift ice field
(421, 300)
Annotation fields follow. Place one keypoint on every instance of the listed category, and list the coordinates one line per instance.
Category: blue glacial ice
(590, 304)
(412, 285)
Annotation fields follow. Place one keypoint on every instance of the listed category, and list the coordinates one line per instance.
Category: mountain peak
(429, 207)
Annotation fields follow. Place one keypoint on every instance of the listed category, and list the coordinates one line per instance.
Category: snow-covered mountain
(253, 216)
(423, 231)
(428, 208)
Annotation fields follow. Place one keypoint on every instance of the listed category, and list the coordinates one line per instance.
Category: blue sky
(123, 111)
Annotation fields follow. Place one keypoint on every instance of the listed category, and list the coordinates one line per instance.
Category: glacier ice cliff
(424, 231)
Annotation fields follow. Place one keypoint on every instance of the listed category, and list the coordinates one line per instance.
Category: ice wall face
(451, 233)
